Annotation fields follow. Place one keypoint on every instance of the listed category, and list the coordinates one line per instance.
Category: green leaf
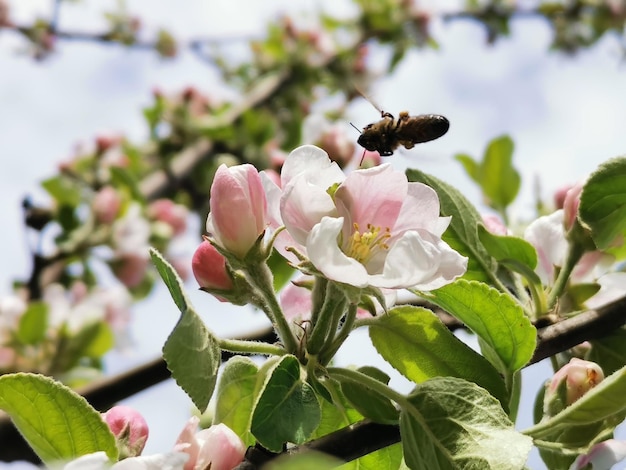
(603, 202)
(63, 190)
(369, 403)
(124, 177)
(609, 352)
(495, 317)
(415, 342)
(56, 422)
(462, 234)
(191, 351)
(33, 324)
(604, 401)
(504, 247)
(92, 341)
(236, 396)
(453, 424)
(471, 166)
(287, 410)
(499, 181)
(171, 279)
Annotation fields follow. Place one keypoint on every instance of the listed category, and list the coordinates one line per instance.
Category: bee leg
(385, 114)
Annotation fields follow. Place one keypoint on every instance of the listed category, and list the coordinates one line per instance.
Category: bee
(389, 133)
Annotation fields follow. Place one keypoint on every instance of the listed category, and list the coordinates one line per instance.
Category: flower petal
(313, 160)
(547, 235)
(372, 197)
(421, 261)
(303, 205)
(420, 210)
(325, 254)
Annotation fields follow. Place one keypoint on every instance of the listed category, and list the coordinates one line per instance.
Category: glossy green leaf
(499, 180)
(451, 424)
(369, 403)
(287, 409)
(495, 317)
(236, 395)
(462, 234)
(504, 247)
(281, 270)
(415, 342)
(191, 351)
(604, 401)
(56, 422)
(33, 324)
(603, 202)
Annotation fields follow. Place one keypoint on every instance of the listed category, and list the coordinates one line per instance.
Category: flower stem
(341, 374)
(251, 347)
(261, 277)
(329, 352)
(573, 256)
(333, 306)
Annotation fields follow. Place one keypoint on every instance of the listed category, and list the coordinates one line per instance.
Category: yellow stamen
(362, 246)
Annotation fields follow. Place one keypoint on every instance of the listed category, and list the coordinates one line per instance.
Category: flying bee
(389, 133)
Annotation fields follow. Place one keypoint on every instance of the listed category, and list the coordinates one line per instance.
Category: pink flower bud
(130, 429)
(580, 376)
(217, 447)
(238, 205)
(570, 205)
(174, 215)
(209, 268)
(106, 204)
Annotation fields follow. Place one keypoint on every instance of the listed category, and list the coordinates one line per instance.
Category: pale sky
(566, 115)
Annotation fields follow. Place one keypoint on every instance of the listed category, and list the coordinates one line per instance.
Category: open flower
(371, 228)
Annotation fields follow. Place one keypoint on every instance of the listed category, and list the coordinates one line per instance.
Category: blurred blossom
(170, 213)
(107, 142)
(216, 447)
(602, 456)
(130, 429)
(335, 139)
(369, 159)
(131, 268)
(4, 13)
(11, 310)
(209, 268)
(579, 375)
(131, 233)
(106, 204)
(494, 224)
(238, 208)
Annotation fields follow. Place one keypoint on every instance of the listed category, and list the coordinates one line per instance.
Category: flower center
(362, 246)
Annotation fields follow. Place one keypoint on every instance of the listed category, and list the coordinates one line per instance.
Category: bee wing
(423, 128)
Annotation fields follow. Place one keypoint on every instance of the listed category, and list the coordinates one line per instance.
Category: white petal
(272, 194)
(169, 461)
(547, 235)
(303, 205)
(422, 261)
(325, 254)
(313, 160)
